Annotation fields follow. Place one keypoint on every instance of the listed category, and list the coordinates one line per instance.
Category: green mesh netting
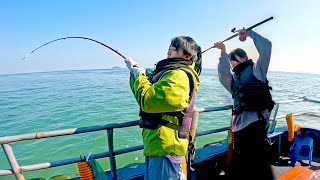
(97, 170)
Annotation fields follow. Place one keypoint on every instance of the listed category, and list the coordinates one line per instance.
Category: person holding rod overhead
(247, 81)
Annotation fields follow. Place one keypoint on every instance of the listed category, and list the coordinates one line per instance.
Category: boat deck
(282, 167)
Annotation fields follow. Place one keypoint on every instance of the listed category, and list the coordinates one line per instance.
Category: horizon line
(117, 67)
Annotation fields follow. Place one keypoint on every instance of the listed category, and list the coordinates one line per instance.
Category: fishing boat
(294, 149)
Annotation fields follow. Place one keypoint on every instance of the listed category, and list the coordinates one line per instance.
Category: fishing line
(85, 38)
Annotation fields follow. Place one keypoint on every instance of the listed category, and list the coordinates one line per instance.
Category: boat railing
(111, 152)
(276, 116)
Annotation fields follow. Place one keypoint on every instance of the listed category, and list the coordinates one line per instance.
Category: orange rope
(85, 171)
(230, 146)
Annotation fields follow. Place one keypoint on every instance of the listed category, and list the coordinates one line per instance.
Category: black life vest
(248, 92)
(153, 120)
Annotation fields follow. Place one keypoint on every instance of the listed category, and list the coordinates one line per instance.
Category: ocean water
(38, 102)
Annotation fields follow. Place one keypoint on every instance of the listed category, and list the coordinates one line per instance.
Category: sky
(142, 29)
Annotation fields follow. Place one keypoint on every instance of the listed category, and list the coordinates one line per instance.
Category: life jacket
(248, 92)
(153, 120)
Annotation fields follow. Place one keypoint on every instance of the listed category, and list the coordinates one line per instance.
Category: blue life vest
(248, 92)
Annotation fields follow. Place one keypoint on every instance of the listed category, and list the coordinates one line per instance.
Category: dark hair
(239, 52)
(189, 46)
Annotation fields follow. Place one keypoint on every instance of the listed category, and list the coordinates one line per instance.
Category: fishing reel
(243, 33)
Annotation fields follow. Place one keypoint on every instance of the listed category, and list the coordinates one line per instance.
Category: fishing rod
(235, 35)
(85, 38)
(124, 57)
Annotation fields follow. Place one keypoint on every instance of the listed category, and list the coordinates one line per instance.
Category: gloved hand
(138, 70)
(130, 63)
(243, 33)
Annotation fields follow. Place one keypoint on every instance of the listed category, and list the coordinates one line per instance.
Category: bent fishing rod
(235, 35)
(124, 57)
(85, 38)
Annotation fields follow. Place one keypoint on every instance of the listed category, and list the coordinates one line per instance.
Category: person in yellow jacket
(163, 97)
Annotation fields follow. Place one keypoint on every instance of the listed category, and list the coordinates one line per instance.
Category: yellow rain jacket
(169, 94)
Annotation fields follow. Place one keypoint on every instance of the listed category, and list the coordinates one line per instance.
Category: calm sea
(38, 102)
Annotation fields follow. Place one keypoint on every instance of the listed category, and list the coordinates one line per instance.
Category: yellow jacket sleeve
(169, 94)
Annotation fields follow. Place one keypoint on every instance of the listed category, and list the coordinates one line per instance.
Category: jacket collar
(172, 63)
(240, 67)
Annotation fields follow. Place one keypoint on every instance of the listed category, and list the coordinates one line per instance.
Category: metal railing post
(13, 162)
(112, 157)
